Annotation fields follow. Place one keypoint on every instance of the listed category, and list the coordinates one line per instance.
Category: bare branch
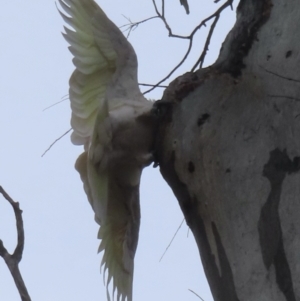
(171, 241)
(64, 134)
(174, 69)
(162, 17)
(163, 8)
(215, 16)
(200, 61)
(133, 25)
(12, 261)
(149, 85)
(196, 294)
(64, 98)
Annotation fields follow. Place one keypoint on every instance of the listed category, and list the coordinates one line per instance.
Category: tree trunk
(229, 147)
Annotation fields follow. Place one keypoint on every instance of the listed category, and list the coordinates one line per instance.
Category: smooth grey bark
(229, 147)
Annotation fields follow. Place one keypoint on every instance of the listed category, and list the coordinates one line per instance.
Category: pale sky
(60, 260)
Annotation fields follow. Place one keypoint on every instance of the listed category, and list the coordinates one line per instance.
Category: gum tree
(229, 147)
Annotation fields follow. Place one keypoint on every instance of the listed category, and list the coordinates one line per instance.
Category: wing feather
(104, 60)
(118, 232)
(95, 65)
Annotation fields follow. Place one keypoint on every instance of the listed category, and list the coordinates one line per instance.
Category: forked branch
(161, 15)
(215, 16)
(12, 260)
(133, 25)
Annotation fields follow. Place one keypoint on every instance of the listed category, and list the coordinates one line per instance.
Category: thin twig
(162, 17)
(12, 260)
(174, 69)
(133, 25)
(56, 141)
(200, 61)
(215, 16)
(195, 294)
(149, 85)
(171, 241)
(56, 103)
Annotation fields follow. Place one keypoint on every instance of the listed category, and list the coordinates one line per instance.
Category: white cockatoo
(114, 122)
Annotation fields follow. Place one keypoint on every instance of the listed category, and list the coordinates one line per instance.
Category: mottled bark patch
(229, 292)
(251, 15)
(269, 227)
(222, 286)
(288, 54)
(203, 119)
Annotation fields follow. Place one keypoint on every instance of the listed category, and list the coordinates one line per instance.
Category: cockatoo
(114, 122)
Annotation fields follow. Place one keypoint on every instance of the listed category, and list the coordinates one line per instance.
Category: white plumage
(113, 121)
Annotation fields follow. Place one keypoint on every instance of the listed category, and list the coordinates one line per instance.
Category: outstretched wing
(105, 76)
(104, 60)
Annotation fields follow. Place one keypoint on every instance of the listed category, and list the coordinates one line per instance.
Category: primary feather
(113, 121)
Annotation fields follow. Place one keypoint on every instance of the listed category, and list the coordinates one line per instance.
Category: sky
(60, 260)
